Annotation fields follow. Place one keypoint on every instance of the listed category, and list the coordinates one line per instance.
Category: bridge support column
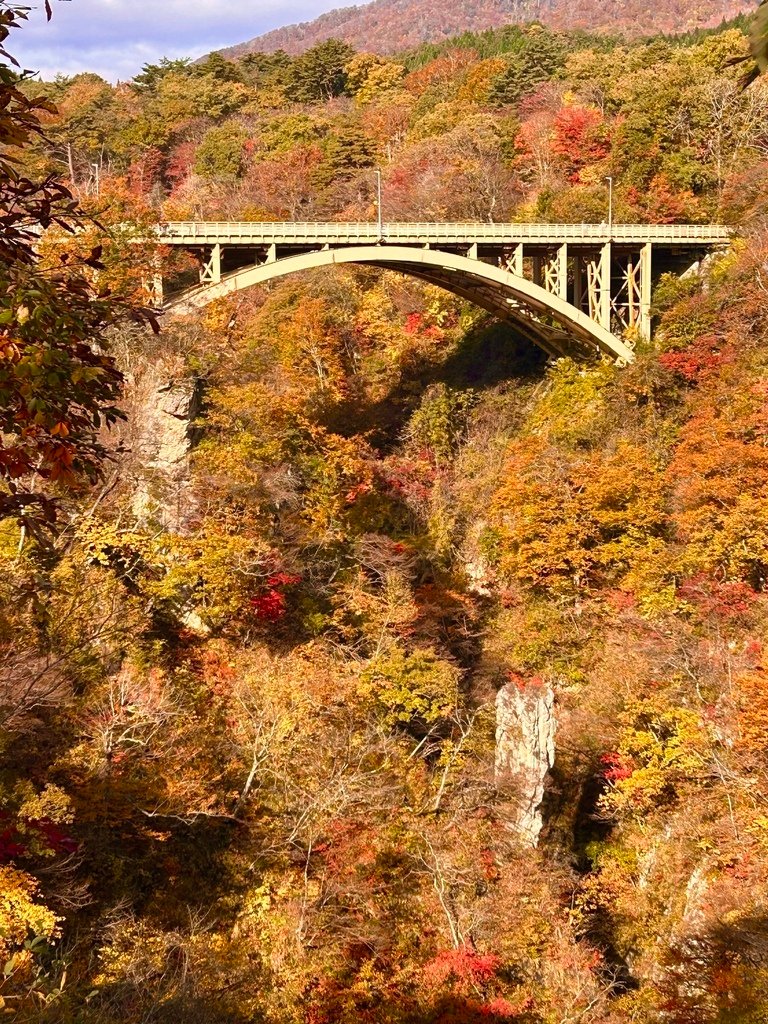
(271, 256)
(210, 272)
(646, 283)
(599, 286)
(153, 286)
(578, 282)
(555, 272)
(513, 260)
(538, 270)
(562, 275)
(605, 287)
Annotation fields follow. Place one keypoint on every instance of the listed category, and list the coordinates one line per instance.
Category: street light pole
(380, 218)
(610, 205)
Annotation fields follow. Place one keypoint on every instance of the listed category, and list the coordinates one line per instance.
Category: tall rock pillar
(525, 752)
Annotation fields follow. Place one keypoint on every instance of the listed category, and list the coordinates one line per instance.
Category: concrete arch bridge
(571, 289)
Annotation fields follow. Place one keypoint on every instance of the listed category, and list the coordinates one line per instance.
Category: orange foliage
(720, 479)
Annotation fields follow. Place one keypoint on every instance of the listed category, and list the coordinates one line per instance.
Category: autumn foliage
(248, 687)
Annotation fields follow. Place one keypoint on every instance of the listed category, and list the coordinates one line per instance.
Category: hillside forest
(358, 664)
(391, 26)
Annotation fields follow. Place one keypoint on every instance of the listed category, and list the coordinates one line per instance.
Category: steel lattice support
(554, 272)
(598, 268)
(210, 272)
(631, 298)
(512, 260)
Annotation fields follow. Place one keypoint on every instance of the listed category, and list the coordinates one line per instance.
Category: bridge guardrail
(207, 232)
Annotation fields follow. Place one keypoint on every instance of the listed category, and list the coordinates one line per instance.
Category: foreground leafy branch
(58, 384)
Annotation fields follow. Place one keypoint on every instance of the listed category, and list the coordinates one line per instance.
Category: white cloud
(115, 37)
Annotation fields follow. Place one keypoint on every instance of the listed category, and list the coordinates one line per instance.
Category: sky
(115, 38)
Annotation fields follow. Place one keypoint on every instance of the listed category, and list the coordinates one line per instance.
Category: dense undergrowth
(288, 811)
(248, 747)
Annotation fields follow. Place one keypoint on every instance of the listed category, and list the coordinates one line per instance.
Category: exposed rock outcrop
(525, 752)
(165, 403)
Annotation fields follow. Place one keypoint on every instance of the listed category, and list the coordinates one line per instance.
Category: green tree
(538, 56)
(180, 97)
(267, 70)
(222, 152)
(152, 74)
(218, 67)
(348, 151)
(319, 74)
(85, 128)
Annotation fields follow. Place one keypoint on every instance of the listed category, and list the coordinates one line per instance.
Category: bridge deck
(312, 233)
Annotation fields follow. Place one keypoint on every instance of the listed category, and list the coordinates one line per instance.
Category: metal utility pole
(380, 218)
(610, 206)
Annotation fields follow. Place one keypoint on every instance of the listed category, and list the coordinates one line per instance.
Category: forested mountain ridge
(389, 26)
(374, 669)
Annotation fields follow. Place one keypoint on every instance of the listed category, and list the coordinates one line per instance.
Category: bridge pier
(153, 286)
(598, 293)
(646, 285)
(631, 291)
(553, 272)
(210, 272)
(158, 297)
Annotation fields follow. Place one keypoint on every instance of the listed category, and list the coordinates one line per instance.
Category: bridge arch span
(509, 296)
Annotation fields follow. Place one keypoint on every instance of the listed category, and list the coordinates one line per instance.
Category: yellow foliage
(370, 77)
(417, 688)
(573, 409)
(662, 748)
(213, 571)
(480, 80)
(337, 470)
(752, 696)
(51, 802)
(22, 917)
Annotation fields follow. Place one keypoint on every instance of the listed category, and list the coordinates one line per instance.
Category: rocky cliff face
(525, 752)
(165, 402)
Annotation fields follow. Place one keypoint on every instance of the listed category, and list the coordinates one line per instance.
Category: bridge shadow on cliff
(490, 354)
